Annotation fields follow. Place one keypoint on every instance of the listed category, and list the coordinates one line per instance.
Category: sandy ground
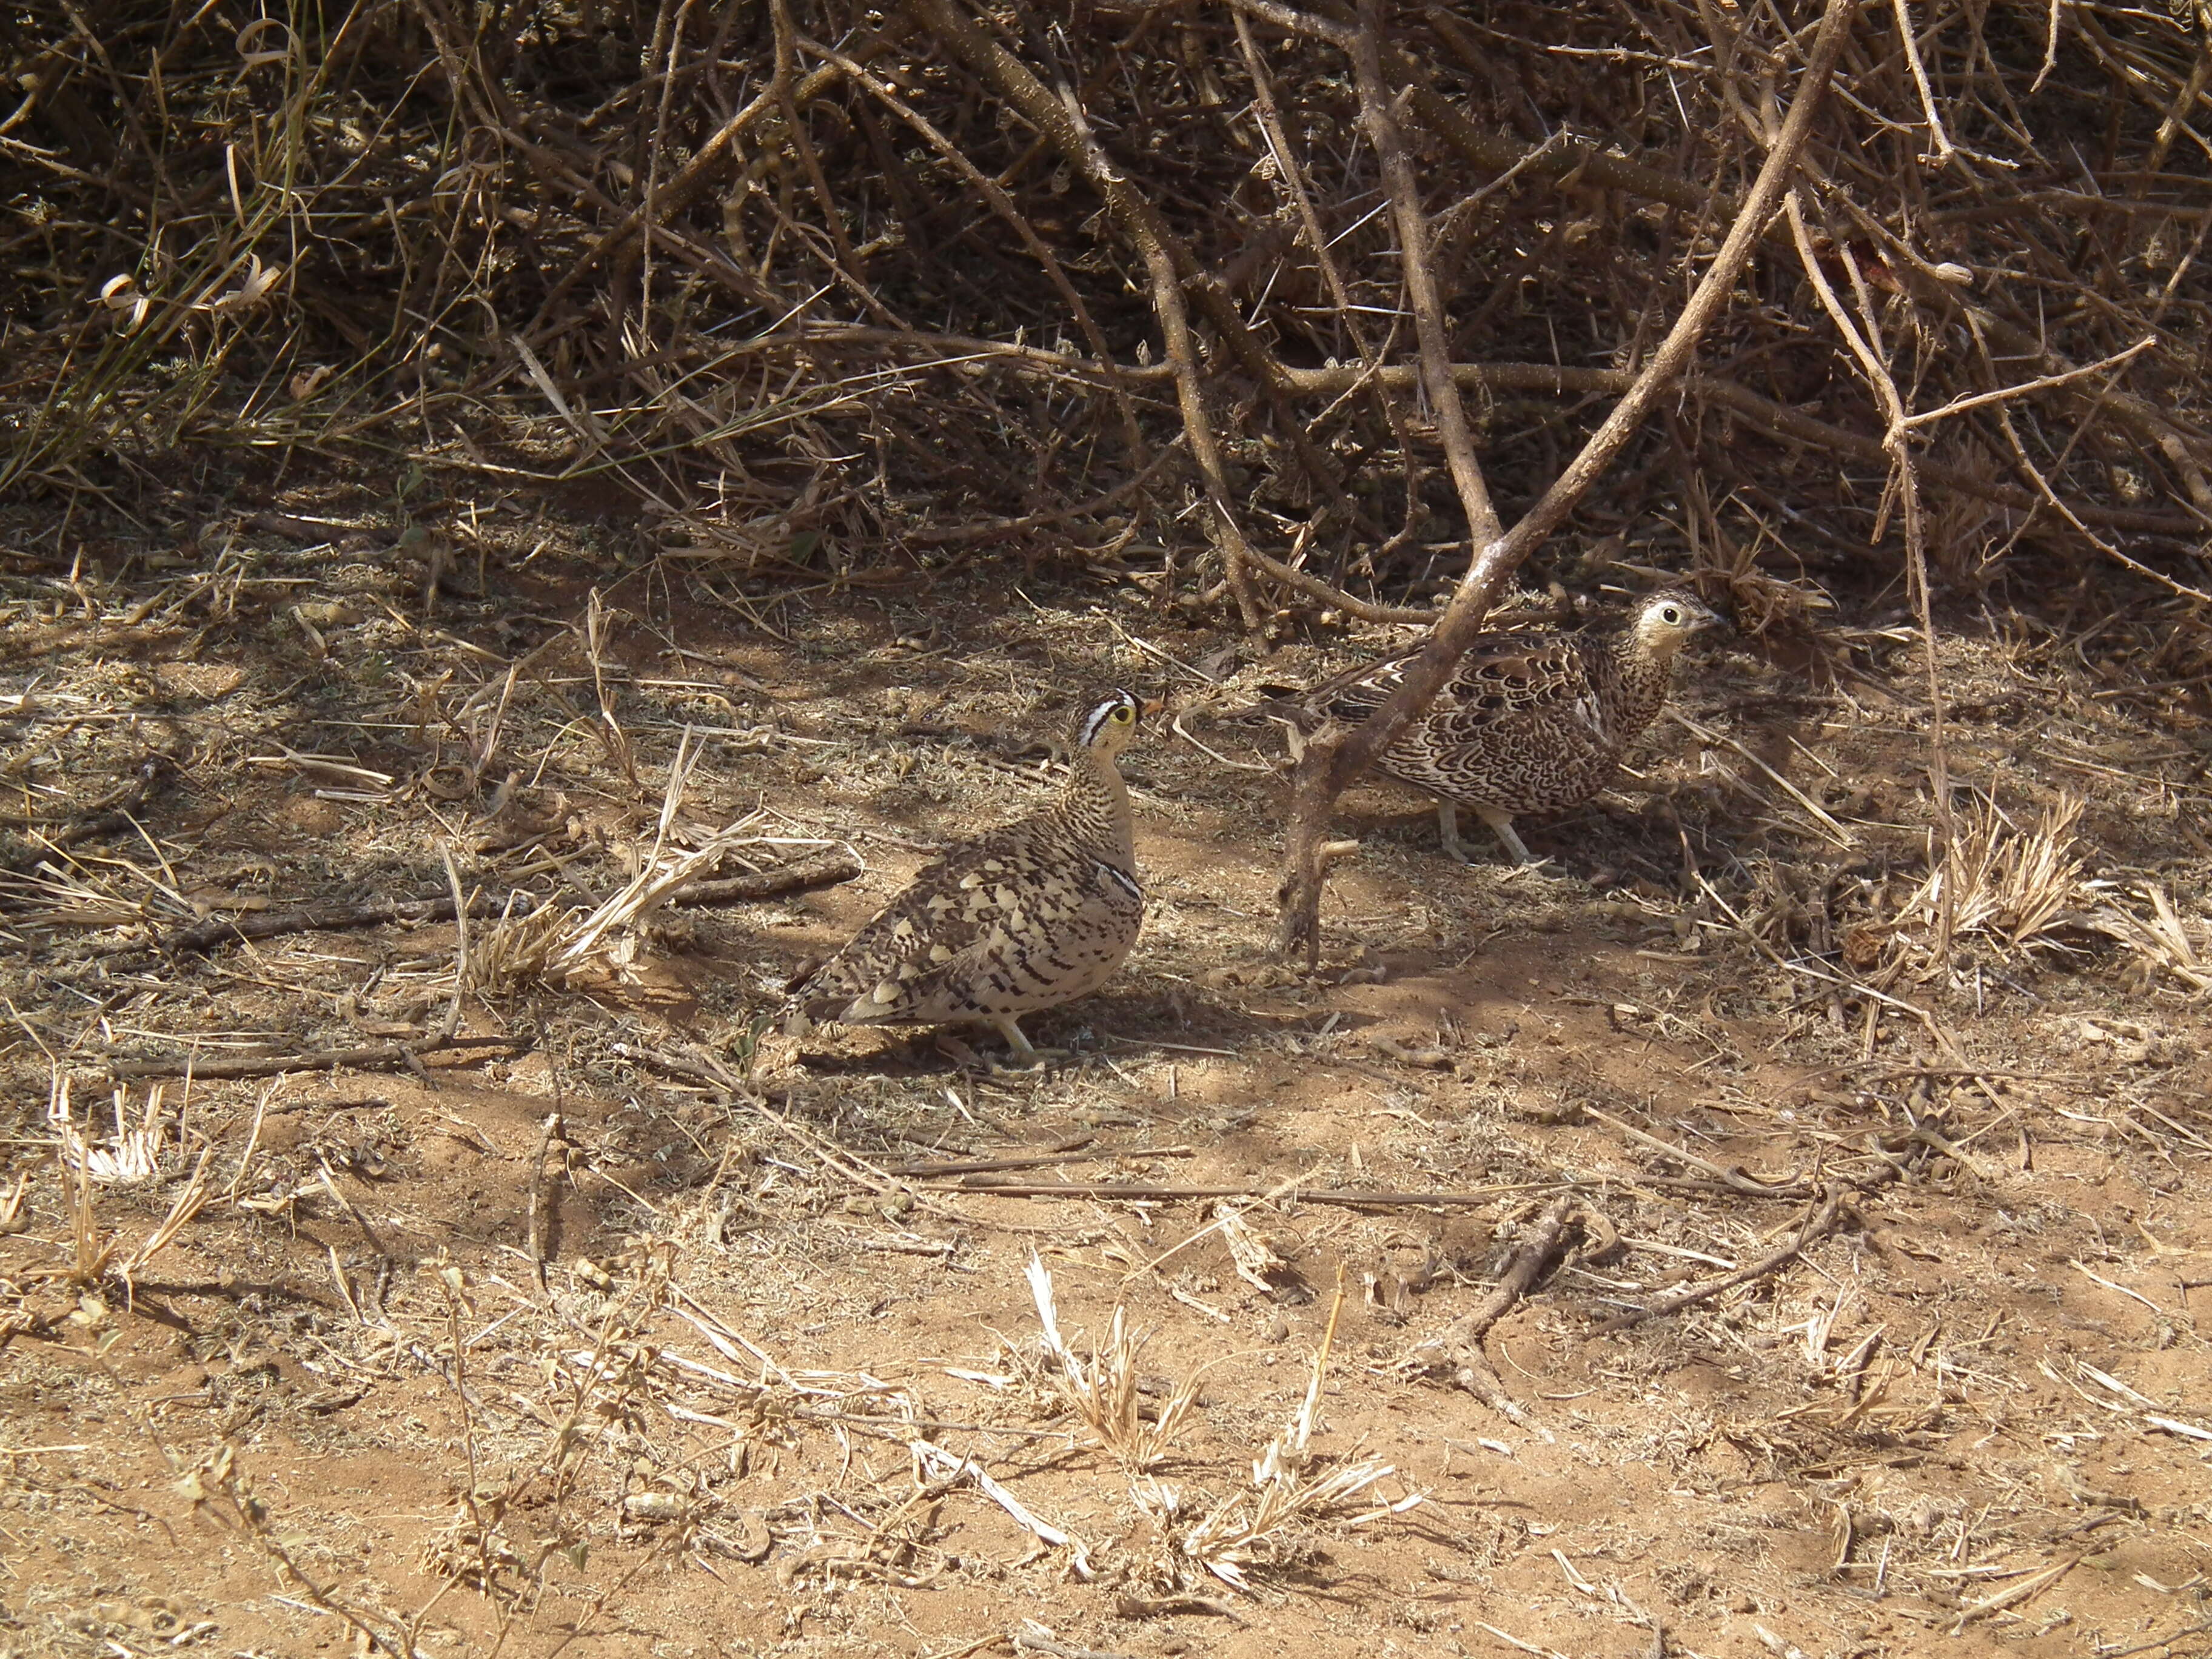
(636, 1329)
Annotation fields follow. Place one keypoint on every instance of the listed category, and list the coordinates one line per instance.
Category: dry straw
(1293, 1489)
(140, 1152)
(295, 238)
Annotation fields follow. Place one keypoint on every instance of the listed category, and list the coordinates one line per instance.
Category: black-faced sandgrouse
(1529, 722)
(1027, 917)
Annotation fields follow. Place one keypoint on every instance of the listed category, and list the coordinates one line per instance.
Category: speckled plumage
(1528, 722)
(1027, 917)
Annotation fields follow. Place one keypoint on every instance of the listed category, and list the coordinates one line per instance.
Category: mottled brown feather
(1029, 916)
(1527, 722)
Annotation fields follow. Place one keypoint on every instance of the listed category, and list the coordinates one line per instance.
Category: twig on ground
(2196, 1629)
(1139, 1192)
(1025, 1643)
(1460, 1345)
(1070, 1154)
(451, 1024)
(330, 1186)
(802, 875)
(1818, 1225)
(540, 1198)
(114, 808)
(1734, 1179)
(1131, 1606)
(333, 917)
(383, 1058)
(2034, 1584)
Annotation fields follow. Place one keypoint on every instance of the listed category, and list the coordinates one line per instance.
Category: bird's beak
(1153, 708)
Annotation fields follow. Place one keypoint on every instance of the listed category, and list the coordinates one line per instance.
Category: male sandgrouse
(1026, 918)
(1528, 722)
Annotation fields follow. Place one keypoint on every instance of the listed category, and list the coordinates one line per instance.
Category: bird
(1027, 917)
(1528, 722)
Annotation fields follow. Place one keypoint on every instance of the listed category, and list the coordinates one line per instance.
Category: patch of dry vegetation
(838, 293)
(1782, 1227)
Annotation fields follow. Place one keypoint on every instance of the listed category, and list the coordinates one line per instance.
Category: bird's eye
(1670, 616)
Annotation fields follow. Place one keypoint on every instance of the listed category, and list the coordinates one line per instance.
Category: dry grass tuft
(1292, 1492)
(2005, 883)
(133, 1157)
(2164, 943)
(558, 946)
(1104, 1390)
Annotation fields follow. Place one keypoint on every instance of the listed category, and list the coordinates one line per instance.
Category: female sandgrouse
(1528, 722)
(1026, 918)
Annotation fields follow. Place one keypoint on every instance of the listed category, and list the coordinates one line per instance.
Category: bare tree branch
(1169, 267)
(1866, 347)
(1331, 762)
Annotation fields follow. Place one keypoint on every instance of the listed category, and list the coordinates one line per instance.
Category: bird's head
(1666, 621)
(1112, 723)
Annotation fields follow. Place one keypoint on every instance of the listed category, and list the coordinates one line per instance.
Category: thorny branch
(1330, 763)
(656, 272)
(1905, 480)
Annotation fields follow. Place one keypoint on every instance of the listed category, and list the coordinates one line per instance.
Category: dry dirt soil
(630, 1325)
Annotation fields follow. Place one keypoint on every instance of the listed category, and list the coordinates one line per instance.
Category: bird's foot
(1460, 852)
(1501, 824)
(1033, 1062)
(1023, 1055)
(1534, 867)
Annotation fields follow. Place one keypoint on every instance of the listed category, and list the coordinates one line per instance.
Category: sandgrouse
(1028, 917)
(1529, 722)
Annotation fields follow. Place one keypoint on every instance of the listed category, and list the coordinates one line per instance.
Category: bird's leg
(1502, 824)
(1448, 832)
(1006, 1028)
(1024, 1054)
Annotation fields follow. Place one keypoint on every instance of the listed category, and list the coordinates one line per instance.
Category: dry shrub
(2006, 884)
(830, 293)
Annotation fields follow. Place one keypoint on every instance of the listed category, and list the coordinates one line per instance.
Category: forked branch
(1333, 759)
(1141, 222)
